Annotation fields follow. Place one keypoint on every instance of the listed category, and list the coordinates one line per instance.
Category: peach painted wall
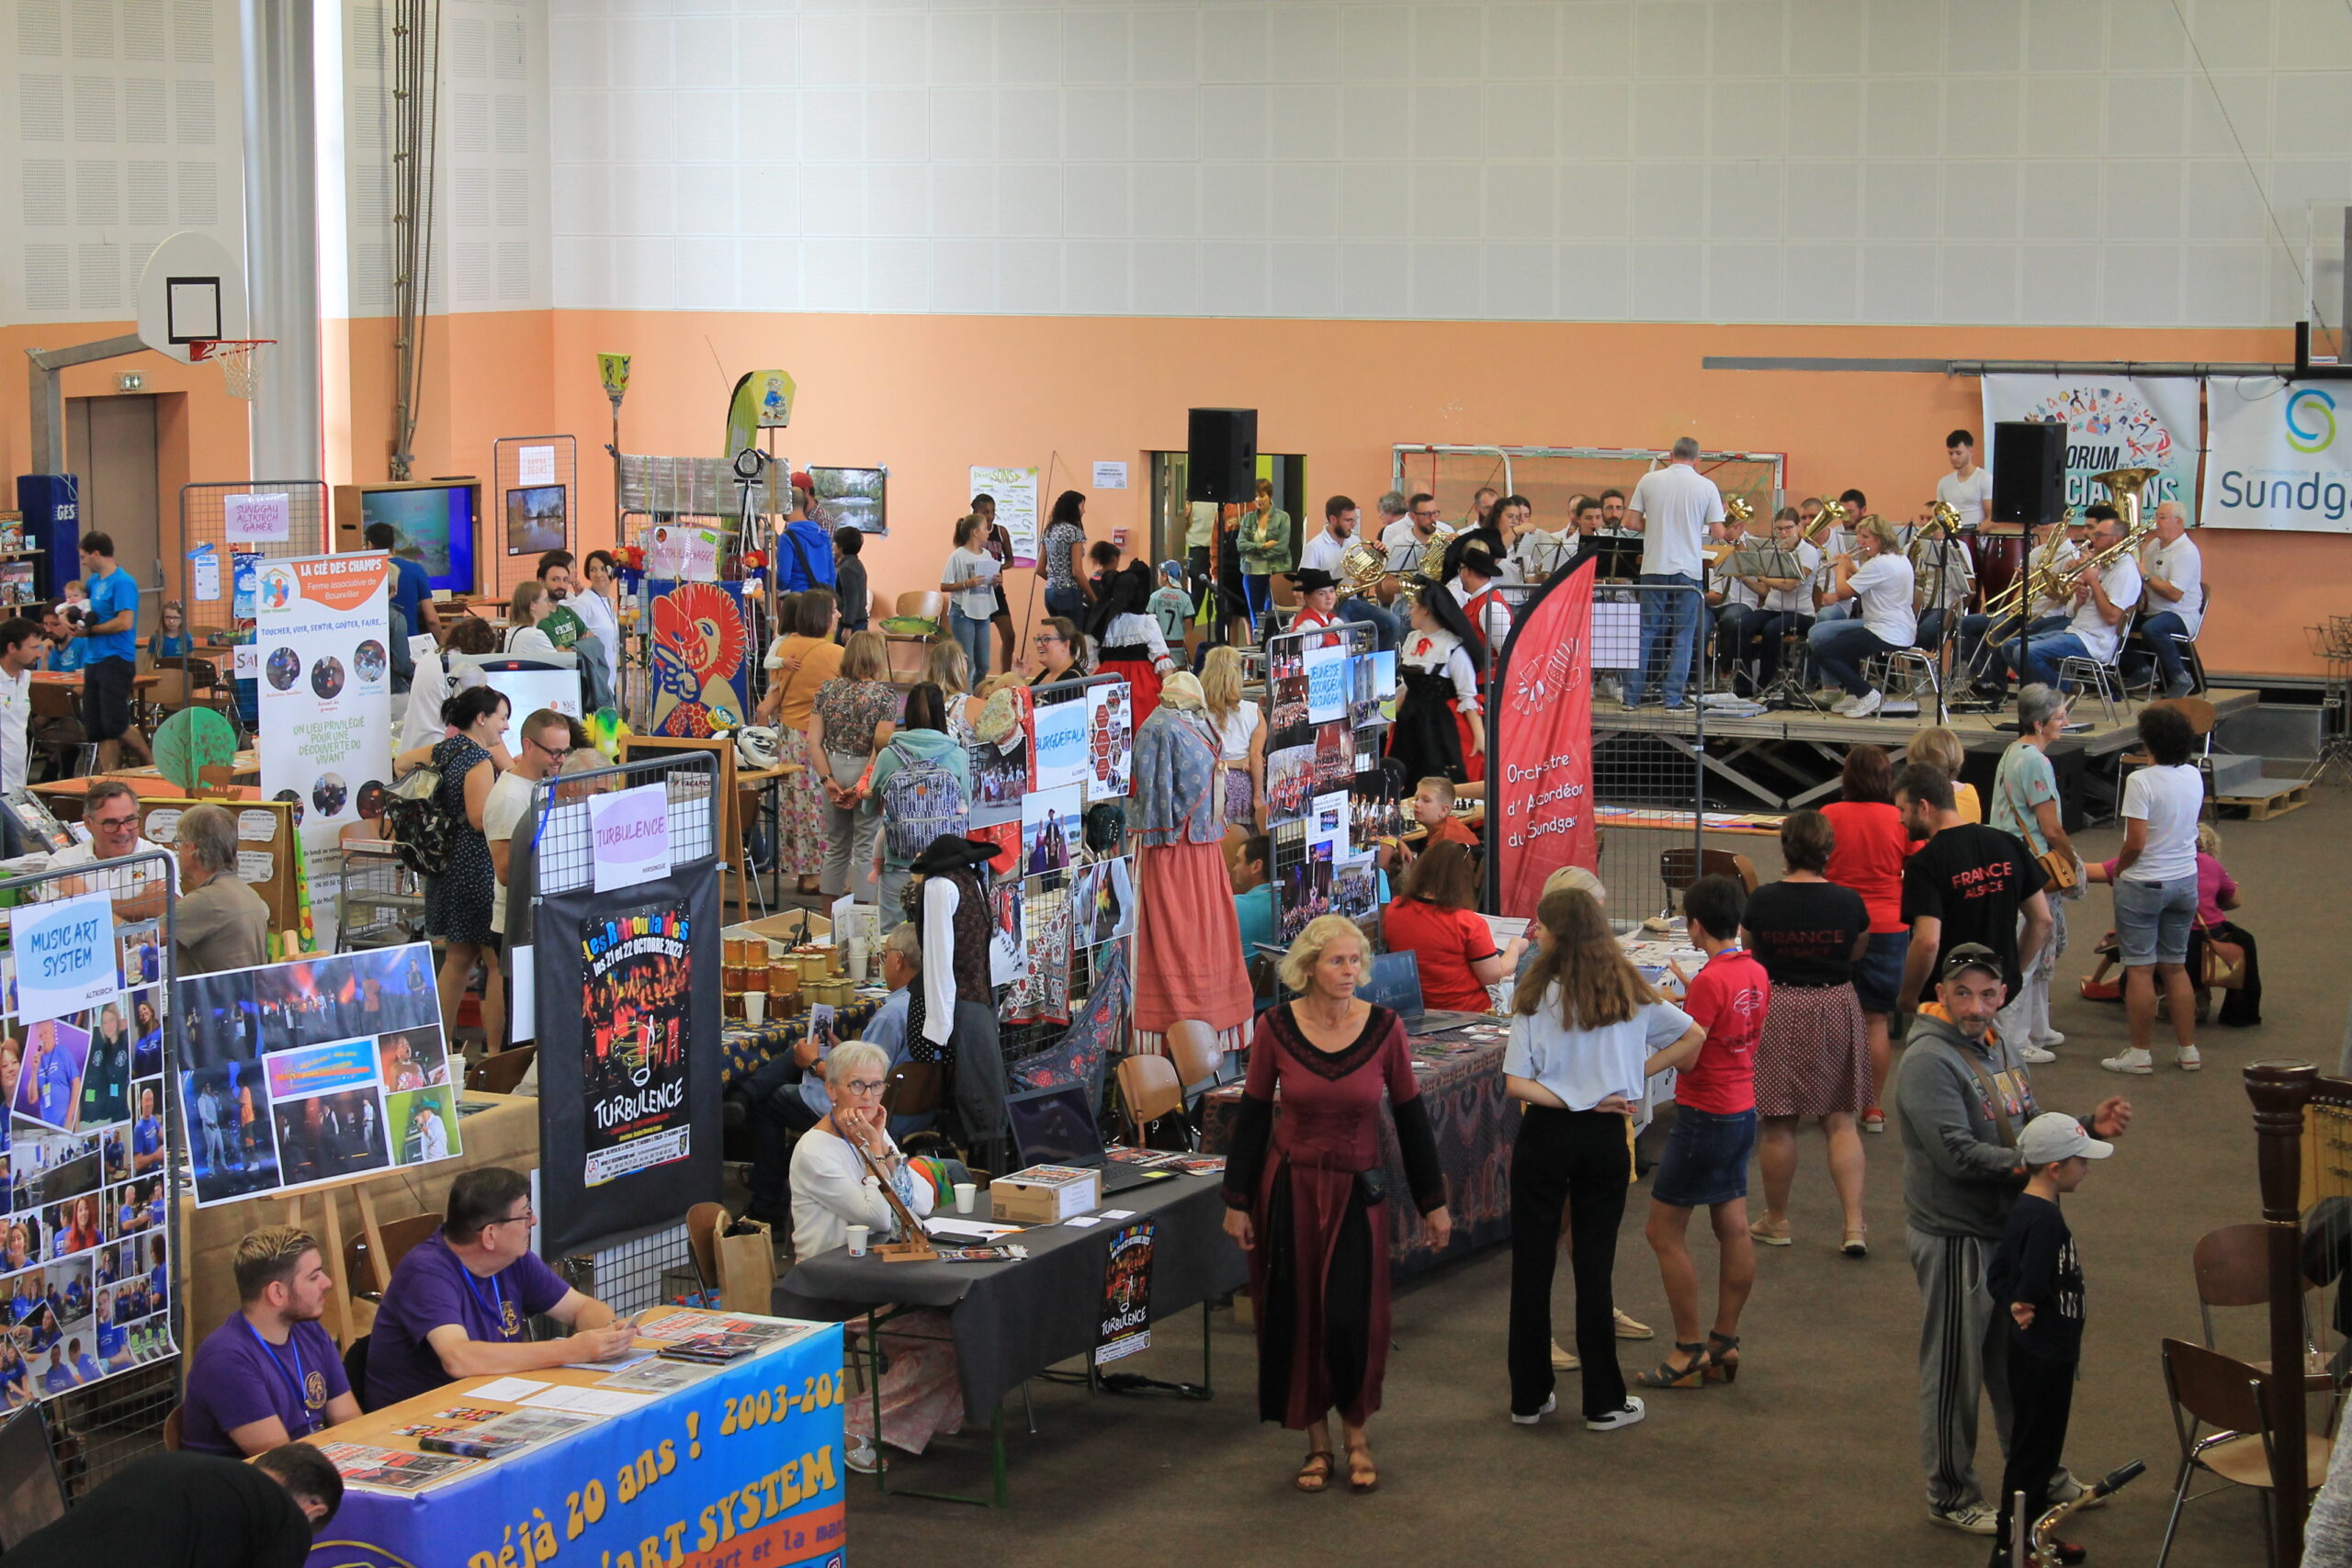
(932, 395)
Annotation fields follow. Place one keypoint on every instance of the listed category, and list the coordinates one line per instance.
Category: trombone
(2126, 485)
(2032, 584)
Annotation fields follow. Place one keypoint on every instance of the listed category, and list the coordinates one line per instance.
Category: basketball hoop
(239, 359)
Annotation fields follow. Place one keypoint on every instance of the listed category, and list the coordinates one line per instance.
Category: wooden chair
(915, 1088)
(910, 650)
(2209, 1389)
(56, 725)
(172, 1431)
(704, 1221)
(400, 1235)
(501, 1073)
(2233, 1270)
(1148, 1084)
(1680, 868)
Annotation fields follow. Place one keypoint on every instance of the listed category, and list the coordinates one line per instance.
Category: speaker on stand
(1221, 455)
(2029, 490)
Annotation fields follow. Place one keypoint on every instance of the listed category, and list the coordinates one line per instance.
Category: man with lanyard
(2174, 572)
(110, 645)
(269, 1374)
(461, 1304)
(52, 1096)
(1962, 1096)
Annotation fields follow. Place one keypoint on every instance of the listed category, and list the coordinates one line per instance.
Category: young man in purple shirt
(461, 1304)
(269, 1374)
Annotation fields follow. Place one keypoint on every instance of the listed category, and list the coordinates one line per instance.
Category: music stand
(1788, 687)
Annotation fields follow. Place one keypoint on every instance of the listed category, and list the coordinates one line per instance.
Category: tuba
(2124, 487)
(1824, 521)
(1737, 510)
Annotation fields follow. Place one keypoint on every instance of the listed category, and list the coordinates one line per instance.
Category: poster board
(1015, 492)
(702, 658)
(267, 846)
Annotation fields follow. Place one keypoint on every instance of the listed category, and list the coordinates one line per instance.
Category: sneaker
(2132, 1061)
(1871, 702)
(2036, 1056)
(1844, 705)
(1626, 1415)
(1551, 1403)
(2052, 1041)
(1764, 1233)
(1628, 1329)
(1969, 1518)
(1608, 690)
(1873, 1119)
(1563, 1360)
(862, 1457)
(2183, 687)
(2189, 1060)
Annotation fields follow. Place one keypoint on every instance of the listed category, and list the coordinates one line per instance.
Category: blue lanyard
(295, 1378)
(495, 1306)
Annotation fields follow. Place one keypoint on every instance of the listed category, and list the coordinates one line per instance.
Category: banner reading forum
(1540, 737)
(2277, 460)
(2112, 422)
(319, 626)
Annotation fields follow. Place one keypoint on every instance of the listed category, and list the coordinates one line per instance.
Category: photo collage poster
(316, 1070)
(637, 987)
(1323, 699)
(85, 1265)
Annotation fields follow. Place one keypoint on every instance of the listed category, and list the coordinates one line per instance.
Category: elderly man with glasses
(460, 1303)
(111, 811)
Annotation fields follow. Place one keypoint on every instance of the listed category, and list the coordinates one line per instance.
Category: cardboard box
(1044, 1194)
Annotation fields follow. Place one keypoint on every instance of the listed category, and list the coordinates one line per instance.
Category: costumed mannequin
(1128, 637)
(1438, 729)
(1188, 962)
(947, 897)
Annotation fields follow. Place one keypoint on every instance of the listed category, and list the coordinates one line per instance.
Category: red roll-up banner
(1539, 735)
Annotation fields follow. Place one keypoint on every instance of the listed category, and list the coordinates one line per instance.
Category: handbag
(2057, 871)
(2222, 964)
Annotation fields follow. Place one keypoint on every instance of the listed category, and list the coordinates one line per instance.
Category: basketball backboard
(191, 292)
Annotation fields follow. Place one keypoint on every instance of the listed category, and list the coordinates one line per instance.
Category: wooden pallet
(2263, 807)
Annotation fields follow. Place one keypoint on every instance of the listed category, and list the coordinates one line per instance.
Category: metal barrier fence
(563, 855)
(96, 1428)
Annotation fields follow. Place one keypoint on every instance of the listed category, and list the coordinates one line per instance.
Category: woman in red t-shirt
(1871, 847)
(1436, 919)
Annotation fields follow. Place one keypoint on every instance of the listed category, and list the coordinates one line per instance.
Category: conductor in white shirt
(2175, 570)
(1671, 508)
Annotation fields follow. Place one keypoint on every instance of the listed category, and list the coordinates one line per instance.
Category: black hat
(952, 852)
(1311, 578)
(1477, 559)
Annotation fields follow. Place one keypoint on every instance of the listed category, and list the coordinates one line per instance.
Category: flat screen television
(435, 519)
(535, 520)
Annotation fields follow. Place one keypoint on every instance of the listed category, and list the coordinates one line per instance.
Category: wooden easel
(734, 856)
(916, 1247)
(330, 1234)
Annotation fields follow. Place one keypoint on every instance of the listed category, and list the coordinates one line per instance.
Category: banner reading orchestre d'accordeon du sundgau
(321, 624)
(2280, 457)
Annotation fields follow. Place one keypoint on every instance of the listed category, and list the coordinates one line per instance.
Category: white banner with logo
(321, 625)
(2277, 461)
(2112, 422)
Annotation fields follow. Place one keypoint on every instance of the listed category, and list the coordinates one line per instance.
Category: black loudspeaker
(1221, 455)
(2028, 471)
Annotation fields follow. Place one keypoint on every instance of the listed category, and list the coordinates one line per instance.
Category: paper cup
(966, 1192)
(755, 1007)
(857, 1241)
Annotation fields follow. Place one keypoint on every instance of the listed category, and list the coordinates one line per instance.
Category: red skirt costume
(1188, 943)
(1310, 1182)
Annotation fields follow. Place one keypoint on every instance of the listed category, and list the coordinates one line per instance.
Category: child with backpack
(922, 787)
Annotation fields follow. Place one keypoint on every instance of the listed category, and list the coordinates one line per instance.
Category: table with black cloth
(1473, 1120)
(1015, 1319)
(745, 1048)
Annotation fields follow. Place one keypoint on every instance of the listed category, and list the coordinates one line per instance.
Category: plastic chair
(2209, 1389)
(909, 649)
(915, 1088)
(1679, 868)
(1148, 1084)
(501, 1073)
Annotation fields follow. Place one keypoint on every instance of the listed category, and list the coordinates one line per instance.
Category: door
(110, 443)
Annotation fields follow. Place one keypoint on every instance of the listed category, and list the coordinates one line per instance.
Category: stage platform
(1790, 757)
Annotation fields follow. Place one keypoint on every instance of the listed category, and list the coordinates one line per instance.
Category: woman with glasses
(838, 1169)
(1056, 649)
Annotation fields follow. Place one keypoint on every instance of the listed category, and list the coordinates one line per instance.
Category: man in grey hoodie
(1962, 1096)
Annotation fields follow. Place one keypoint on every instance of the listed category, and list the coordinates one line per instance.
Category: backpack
(423, 829)
(919, 801)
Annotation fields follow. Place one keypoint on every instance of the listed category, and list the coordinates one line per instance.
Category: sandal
(1314, 1474)
(1857, 1243)
(1666, 1375)
(1718, 1347)
(1363, 1475)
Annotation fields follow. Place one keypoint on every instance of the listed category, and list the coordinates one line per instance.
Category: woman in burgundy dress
(1314, 1217)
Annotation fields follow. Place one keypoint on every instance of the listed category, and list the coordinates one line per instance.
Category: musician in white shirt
(1878, 578)
(1788, 600)
(2043, 616)
(1328, 551)
(1736, 600)
(1944, 576)
(2103, 601)
(2174, 572)
(1840, 545)
(1967, 489)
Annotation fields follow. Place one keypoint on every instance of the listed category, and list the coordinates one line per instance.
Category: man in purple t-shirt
(270, 1373)
(461, 1304)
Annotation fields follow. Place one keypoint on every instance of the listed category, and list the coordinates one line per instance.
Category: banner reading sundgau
(2276, 460)
(321, 624)
(2112, 422)
(1539, 795)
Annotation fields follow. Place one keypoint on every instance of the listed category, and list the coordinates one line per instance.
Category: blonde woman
(946, 668)
(853, 718)
(1879, 580)
(1240, 728)
(1940, 747)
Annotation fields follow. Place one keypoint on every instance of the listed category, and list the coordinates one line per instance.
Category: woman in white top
(594, 605)
(1879, 580)
(838, 1169)
(970, 584)
(1240, 728)
(2155, 889)
(430, 686)
(529, 606)
(1586, 1032)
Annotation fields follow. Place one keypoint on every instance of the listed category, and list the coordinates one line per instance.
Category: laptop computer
(1055, 1126)
(1394, 982)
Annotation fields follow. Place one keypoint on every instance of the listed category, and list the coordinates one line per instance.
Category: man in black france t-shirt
(1967, 883)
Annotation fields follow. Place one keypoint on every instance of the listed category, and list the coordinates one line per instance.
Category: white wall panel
(1747, 160)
